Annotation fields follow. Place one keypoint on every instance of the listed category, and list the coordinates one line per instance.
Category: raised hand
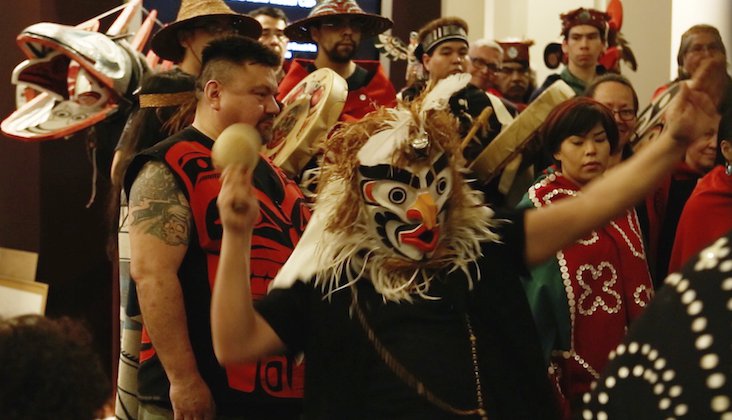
(237, 201)
(694, 110)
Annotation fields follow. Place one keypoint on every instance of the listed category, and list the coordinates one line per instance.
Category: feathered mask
(393, 207)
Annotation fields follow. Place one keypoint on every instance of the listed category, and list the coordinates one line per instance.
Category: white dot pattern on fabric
(720, 403)
(688, 297)
(683, 285)
(709, 361)
(698, 334)
(673, 279)
(638, 370)
(716, 380)
(674, 391)
(695, 308)
(704, 342)
(659, 364)
(699, 324)
(658, 389)
(603, 398)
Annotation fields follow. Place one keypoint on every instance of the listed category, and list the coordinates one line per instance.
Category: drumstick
(238, 144)
(477, 124)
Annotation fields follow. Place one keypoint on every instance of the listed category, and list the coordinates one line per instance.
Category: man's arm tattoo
(158, 206)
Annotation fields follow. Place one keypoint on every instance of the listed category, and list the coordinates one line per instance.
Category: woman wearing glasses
(617, 93)
(585, 297)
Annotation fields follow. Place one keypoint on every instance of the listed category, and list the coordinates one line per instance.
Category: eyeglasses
(481, 64)
(624, 114)
(343, 22)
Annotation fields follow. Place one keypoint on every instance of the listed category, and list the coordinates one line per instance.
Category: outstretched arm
(691, 114)
(239, 333)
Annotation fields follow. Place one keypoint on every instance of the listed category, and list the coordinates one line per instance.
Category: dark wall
(45, 186)
(408, 16)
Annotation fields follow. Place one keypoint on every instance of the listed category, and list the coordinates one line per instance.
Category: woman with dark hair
(584, 298)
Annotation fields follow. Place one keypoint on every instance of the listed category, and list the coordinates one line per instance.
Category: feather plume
(437, 98)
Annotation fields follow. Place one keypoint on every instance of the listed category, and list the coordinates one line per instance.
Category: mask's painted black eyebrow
(391, 173)
(439, 165)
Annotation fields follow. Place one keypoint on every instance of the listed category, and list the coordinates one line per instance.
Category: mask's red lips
(421, 238)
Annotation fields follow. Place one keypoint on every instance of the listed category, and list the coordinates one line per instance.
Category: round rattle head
(238, 144)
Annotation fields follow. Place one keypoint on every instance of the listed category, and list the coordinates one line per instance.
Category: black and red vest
(272, 387)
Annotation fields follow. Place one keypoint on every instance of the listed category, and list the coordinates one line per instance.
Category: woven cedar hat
(165, 42)
(516, 51)
(584, 16)
(373, 24)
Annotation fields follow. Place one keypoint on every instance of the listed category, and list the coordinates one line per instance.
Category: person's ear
(314, 33)
(212, 92)
(726, 148)
(426, 61)
(556, 155)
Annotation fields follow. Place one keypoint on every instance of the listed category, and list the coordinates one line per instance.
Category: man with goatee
(337, 27)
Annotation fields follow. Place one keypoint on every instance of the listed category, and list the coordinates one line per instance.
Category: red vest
(283, 215)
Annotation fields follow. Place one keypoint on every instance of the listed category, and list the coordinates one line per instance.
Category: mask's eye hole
(397, 195)
(441, 185)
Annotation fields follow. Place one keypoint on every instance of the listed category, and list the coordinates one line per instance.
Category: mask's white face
(406, 206)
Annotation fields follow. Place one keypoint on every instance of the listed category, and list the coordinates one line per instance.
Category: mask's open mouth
(421, 238)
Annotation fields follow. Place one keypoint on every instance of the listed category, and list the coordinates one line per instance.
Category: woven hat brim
(299, 30)
(165, 41)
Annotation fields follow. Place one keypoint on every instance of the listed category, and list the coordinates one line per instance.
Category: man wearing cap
(486, 58)
(514, 79)
(584, 32)
(443, 51)
(338, 26)
(273, 21)
(175, 237)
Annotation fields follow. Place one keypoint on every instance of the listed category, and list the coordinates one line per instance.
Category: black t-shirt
(347, 378)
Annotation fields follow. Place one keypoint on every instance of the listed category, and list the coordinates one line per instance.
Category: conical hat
(373, 24)
(165, 42)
